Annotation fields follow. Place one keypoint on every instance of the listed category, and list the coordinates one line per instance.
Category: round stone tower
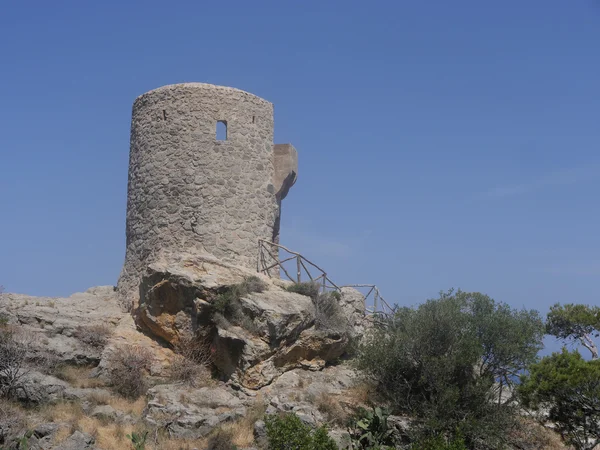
(204, 176)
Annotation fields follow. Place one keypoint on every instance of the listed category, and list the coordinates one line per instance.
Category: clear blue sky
(442, 144)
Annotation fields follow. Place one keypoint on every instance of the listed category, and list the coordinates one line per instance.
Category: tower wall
(188, 191)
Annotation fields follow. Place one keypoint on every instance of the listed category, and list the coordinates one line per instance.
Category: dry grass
(243, 429)
(13, 420)
(530, 435)
(78, 376)
(361, 394)
(133, 407)
(329, 405)
(108, 435)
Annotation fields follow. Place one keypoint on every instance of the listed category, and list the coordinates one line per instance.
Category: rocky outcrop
(191, 413)
(57, 326)
(277, 333)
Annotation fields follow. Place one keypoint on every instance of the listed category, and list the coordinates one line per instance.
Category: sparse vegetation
(95, 336)
(193, 360)
(221, 440)
(127, 371)
(138, 439)
(12, 422)
(229, 306)
(329, 315)
(308, 288)
(329, 405)
(14, 346)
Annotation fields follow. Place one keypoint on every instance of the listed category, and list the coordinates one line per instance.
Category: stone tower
(191, 190)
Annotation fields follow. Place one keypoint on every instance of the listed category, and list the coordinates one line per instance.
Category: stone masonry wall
(190, 192)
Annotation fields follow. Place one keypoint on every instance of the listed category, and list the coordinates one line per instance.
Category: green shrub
(288, 432)
(371, 430)
(309, 288)
(568, 387)
(138, 440)
(447, 362)
(228, 303)
(440, 443)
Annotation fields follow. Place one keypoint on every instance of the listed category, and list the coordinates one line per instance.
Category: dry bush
(363, 394)
(329, 315)
(128, 366)
(221, 440)
(188, 371)
(309, 288)
(195, 348)
(95, 336)
(193, 360)
(14, 347)
(254, 284)
(530, 435)
(331, 408)
(12, 422)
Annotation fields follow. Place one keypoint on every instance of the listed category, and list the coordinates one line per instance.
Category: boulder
(77, 441)
(176, 301)
(39, 388)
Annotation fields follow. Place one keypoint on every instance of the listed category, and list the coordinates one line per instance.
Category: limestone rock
(279, 315)
(174, 296)
(352, 303)
(54, 322)
(77, 441)
(39, 388)
(191, 413)
(312, 350)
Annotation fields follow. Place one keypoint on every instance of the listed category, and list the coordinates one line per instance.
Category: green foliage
(308, 288)
(440, 443)
(371, 430)
(447, 361)
(228, 303)
(3, 320)
(572, 322)
(568, 387)
(288, 432)
(138, 440)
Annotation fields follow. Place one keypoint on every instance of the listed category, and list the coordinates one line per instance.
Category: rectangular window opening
(221, 130)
